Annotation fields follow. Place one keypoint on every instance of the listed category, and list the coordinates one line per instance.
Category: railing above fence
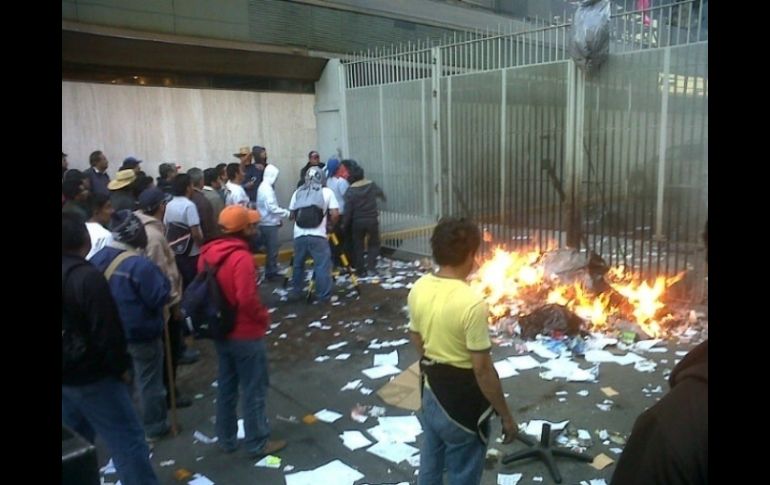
(667, 25)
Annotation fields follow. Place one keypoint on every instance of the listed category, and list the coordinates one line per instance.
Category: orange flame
(509, 280)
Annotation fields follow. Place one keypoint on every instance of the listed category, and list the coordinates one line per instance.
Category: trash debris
(602, 461)
(582, 392)
(288, 468)
(380, 371)
(365, 391)
(322, 358)
(609, 392)
(605, 405)
(309, 419)
(335, 472)
(351, 386)
(354, 440)
(395, 452)
(548, 319)
(290, 419)
(269, 461)
(386, 359)
(342, 357)
(404, 390)
(509, 479)
(182, 474)
(645, 366)
(505, 369)
(327, 416)
(336, 346)
(535, 427)
(391, 429)
(167, 463)
(199, 479)
(203, 438)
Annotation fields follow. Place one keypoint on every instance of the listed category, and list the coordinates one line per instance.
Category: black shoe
(190, 356)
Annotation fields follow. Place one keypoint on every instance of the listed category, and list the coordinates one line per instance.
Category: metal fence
(505, 129)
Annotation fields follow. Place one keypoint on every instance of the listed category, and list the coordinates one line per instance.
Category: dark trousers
(361, 229)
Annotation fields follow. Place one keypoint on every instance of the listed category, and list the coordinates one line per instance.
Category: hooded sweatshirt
(669, 442)
(267, 204)
(361, 202)
(237, 279)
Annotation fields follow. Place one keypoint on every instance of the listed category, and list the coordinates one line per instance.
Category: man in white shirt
(101, 212)
(309, 206)
(182, 210)
(272, 215)
(235, 193)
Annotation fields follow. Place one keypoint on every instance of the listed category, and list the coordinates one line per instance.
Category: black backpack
(309, 217)
(179, 237)
(205, 305)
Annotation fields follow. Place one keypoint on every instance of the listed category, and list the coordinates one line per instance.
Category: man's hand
(510, 430)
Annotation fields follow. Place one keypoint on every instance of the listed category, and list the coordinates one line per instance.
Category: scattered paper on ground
(535, 426)
(505, 369)
(269, 461)
(391, 429)
(381, 371)
(601, 461)
(352, 385)
(386, 359)
(327, 416)
(523, 362)
(395, 452)
(609, 392)
(334, 472)
(199, 479)
(511, 479)
(354, 440)
(203, 438)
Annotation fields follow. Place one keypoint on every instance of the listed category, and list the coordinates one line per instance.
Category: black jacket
(304, 171)
(89, 310)
(669, 442)
(361, 202)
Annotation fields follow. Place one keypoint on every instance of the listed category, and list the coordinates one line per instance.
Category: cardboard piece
(404, 390)
(601, 461)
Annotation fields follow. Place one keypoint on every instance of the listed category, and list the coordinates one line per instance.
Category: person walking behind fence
(362, 216)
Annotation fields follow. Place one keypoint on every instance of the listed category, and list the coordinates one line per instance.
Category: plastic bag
(589, 43)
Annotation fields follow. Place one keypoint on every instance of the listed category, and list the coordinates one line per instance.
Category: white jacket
(267, 204)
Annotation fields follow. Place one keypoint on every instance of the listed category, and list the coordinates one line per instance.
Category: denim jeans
(318, 249)
(105, 408)
(447, 445)
(242, 363)
(147, 358)
(270, 240)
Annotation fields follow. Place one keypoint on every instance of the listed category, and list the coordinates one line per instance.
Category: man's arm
(416, 339)
(197, 235)
(334, 214)
(489, 383)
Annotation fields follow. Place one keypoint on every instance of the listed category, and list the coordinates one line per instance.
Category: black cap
(130, 162)
(151, 198)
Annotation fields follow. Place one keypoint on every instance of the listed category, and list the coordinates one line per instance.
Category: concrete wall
(192, 127)
(328, 111)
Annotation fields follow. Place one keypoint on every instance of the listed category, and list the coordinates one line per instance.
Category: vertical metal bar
(569, 152)
(344, 111)
(426, 179)
(503, 136)
(662, 144)
(436, 113)
(450, 142)
(700, 19)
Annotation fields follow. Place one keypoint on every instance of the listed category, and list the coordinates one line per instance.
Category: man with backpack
(309, 205)
(95, 362)
(242, 352)
(140, 290)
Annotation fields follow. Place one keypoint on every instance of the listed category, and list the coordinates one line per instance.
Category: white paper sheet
(511, 479)
(524, 362)
(386, 359)
(381, 371)
(354, 440)
(395, 452)
(327, 416)
(505, 369)
(334, 472)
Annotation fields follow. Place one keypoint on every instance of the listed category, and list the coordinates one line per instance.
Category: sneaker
(269, 448)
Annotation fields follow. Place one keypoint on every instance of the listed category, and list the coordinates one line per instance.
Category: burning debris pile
(562, 293)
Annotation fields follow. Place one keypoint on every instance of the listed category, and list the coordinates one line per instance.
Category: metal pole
(662, 142)
(344, 115)
(423, 136)
(436, 116)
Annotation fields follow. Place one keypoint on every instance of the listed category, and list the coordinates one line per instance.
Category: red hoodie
(237, 278)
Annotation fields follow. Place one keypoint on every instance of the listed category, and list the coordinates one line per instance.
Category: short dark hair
(95, 157)
(74, 232)
(232, 170)
(141, 183)
(453, 240)
(311, 152)
(71, 188)
(196, 175)
(97, 200)
(166, 169)
(73, 174)
(210, 175)
(221, 169)
(179, 184)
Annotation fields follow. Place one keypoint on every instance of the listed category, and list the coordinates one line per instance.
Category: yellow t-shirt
(450, 317)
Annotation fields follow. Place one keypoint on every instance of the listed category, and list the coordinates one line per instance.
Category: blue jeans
(318, 249)
(147, 358)
(242, 363)
(105, 408)
(447, 445)
(270, 240)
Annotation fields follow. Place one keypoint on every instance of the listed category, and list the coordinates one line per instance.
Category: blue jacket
(140, 290)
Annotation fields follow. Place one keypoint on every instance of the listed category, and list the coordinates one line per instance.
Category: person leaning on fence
(95, 361)
(242, 356)
(669, 442)
(362, 216)
(461, 389)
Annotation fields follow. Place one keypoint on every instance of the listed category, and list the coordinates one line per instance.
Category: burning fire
(510, 281)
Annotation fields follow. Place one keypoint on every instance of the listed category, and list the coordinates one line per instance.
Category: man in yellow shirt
(461, 387)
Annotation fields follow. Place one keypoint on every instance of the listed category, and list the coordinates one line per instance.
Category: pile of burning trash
(566, 292)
